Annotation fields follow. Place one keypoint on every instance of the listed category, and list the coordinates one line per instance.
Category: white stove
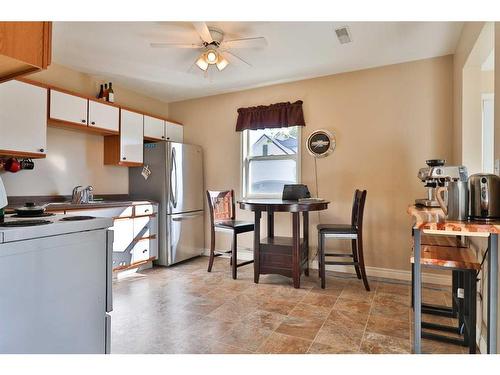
(47, 226)
(56, 284)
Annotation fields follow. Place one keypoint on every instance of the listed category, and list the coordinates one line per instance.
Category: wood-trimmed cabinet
(78, 112)
(174, 132)
(25, 47)
(127, 148)
(23, 119)
(135, 233)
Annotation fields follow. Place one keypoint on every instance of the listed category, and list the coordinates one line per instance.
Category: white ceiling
(120, 51)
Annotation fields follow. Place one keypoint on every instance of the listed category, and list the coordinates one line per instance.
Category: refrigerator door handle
(186, 216)
(173, 174)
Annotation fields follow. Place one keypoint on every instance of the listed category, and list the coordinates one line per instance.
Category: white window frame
(245, 162)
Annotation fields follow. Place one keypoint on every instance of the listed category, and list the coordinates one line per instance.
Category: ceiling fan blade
(203, 32)
(235, 59)
(259, 42)
(175, 45)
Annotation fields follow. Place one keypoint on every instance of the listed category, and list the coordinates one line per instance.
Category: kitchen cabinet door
(174, 132)
(154, 128)
(131, 136)
(123, 235)
(25, 47)
(23, 119)
(69, 108)
(104, 116)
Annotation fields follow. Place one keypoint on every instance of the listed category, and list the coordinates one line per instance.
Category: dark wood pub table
(287, 256)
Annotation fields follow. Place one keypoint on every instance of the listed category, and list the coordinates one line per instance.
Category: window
(270, 159)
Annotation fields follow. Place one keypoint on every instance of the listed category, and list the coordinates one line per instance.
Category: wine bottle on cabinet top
(111, 93)
(101, 92)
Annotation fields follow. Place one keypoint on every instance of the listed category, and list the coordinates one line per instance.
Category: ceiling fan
(215, 50)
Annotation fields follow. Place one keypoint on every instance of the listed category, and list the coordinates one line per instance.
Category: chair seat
(337, 228)
(237, 225)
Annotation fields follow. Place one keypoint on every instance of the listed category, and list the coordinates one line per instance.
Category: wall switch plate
(497, 167)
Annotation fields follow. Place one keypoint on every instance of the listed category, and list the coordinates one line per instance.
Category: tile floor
(184, 309)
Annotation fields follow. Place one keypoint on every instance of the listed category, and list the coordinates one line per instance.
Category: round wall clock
(320, 143)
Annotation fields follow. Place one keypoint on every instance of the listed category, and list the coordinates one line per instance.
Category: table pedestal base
(276, 256)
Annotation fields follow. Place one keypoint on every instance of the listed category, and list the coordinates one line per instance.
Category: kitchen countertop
(433, 221)
(63, 203)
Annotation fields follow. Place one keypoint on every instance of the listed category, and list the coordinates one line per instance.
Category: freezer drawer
(186, 236)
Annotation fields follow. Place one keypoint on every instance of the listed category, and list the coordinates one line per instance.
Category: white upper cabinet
(174, 132)
(154, 128)
(23, 117)
(131, 137)
(104, 116)
(66, 107)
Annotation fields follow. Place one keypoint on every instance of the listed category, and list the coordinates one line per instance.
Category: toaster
(484, 197)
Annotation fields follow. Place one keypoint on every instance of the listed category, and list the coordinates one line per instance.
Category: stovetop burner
(77, 218)
(24, 223)
(45, 214)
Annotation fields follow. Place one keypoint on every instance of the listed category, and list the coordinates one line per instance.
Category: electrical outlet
(497, 167)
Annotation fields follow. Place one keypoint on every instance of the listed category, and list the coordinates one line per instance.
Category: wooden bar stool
(464, 264)
(354, 232)
(222, 219)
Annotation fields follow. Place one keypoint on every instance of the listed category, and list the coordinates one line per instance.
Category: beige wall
(387, 121)
(470, 33)
(76, 158)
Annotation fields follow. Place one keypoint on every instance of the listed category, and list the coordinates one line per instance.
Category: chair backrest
(358, 208)
(220, 205)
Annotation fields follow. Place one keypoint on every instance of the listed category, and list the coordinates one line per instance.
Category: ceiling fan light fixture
(202, 63)
(211, 56)
(221, 63)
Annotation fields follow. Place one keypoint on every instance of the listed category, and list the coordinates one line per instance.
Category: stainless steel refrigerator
(173, 176)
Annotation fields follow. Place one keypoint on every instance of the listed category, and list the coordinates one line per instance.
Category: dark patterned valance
(277, 115)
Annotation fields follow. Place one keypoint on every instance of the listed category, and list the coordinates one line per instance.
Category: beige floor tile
(300, 327)
(334, 332)
(264, 319)
(322, 300)
(335, 348)
(374, 343)
(388, 327)
(282, 344)
(246, 337)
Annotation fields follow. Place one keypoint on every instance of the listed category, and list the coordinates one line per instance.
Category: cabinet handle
(168, 137)
(93, 123)
(143, 251)
(162, 137)
(84, 121)
(124, 158)
(42, 150)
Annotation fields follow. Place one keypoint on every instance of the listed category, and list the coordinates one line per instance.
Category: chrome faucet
(80, 196)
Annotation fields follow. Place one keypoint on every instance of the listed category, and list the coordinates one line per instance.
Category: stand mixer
(435, 175)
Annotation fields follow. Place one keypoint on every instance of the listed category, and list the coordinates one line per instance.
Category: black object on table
(287, 256)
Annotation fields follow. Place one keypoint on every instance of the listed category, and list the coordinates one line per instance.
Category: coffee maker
(436, 175)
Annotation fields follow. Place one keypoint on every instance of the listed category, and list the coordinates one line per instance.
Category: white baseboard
(386, 273)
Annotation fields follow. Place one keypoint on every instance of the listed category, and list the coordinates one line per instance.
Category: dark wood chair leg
(234, 255)
(362, 262)
(354, 248)
(321, 256)
(305, 230)
(212, 252)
